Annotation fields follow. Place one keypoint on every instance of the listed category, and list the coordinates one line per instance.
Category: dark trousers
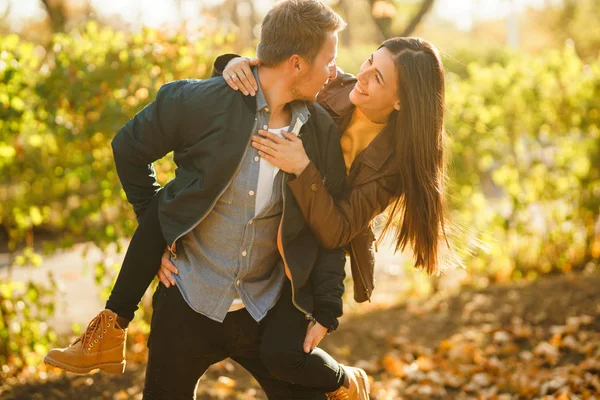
(183, 344)
(140, 265)
(277, 344)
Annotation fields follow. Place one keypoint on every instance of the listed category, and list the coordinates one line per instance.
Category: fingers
(247, 78)
(254, 62)
(238, 79)
(290, 136)
(165, 262)
(308, 339)
(266, 145)
(265, 151)
(166, 271)
(163, 278)
(167, 275)
(311, 339)
(229, 80)
(272, 137)
(171, 267)
(269, 158)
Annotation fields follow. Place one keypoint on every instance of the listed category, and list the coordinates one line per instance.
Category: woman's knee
(283, 364)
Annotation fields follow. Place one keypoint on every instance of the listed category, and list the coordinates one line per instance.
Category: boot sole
(110, 368)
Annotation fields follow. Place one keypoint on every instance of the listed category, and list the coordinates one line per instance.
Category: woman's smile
(359, 90)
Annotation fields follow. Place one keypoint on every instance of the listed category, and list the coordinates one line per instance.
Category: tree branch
(416, 20)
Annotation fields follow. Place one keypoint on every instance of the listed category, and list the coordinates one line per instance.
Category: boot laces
(94, 330)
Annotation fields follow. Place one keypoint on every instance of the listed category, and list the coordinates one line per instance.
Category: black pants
(279, 339)
(140, 266)
(183, 344)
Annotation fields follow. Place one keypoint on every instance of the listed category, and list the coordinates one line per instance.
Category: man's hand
(167, 269)
(314, 333)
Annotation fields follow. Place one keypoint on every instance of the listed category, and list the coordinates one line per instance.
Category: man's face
(315, 76)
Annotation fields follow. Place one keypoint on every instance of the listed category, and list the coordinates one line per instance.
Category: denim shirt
(232, 252)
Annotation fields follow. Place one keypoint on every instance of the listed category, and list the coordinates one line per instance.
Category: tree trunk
(56, 13)
(416, 20)
(345, 36)
(384, 24)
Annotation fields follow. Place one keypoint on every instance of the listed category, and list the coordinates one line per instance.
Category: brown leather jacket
(372, 184)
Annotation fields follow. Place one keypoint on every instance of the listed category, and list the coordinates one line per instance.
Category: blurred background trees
(523, 113)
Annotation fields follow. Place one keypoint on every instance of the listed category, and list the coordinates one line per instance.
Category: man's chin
(307, 99)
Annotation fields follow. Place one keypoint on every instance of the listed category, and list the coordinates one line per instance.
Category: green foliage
(525, 171)
(24, 334)
(525, 174)
(59, 109)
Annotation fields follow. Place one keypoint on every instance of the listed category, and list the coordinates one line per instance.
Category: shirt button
(238, 282)
(267, 109)
(244, 253)
(251, 193)
(256, 158)
(250, 222)
(265, 127)
(313, 187)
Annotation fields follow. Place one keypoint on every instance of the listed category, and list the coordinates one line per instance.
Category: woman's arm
(237, 72)
(335, 224)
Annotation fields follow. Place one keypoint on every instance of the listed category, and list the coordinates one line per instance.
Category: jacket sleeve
(221, 62)
(147, 137)
(327, 280)
(333, 223)
(327, 277)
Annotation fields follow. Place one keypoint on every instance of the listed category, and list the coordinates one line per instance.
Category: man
(233, 229)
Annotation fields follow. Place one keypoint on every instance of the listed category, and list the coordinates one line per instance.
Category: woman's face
(376, 92)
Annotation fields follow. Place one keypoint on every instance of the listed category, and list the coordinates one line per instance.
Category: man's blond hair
(296, 27)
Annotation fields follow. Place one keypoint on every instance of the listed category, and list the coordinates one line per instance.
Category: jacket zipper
(362, 278)
(172, 247)
(307, 315)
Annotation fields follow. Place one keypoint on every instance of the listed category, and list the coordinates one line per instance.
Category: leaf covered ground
(537, 340)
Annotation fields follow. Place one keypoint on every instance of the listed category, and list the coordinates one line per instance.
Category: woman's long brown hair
(418, 213)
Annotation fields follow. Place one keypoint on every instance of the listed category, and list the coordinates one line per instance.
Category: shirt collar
(261, 103)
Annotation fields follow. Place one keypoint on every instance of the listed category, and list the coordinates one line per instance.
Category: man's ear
(295, 63)
(397, 106)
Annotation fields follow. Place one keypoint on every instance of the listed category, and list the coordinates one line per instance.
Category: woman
(391, 125)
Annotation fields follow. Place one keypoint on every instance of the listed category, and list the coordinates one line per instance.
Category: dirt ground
(517, 341)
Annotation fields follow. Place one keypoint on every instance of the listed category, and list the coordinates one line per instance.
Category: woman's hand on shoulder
(238, 74)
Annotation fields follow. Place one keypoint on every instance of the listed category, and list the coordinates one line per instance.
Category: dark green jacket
(208, 127)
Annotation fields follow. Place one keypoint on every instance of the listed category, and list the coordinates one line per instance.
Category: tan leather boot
(359, 389)
(102, 346)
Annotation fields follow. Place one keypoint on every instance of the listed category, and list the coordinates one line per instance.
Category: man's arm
(147, 137)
